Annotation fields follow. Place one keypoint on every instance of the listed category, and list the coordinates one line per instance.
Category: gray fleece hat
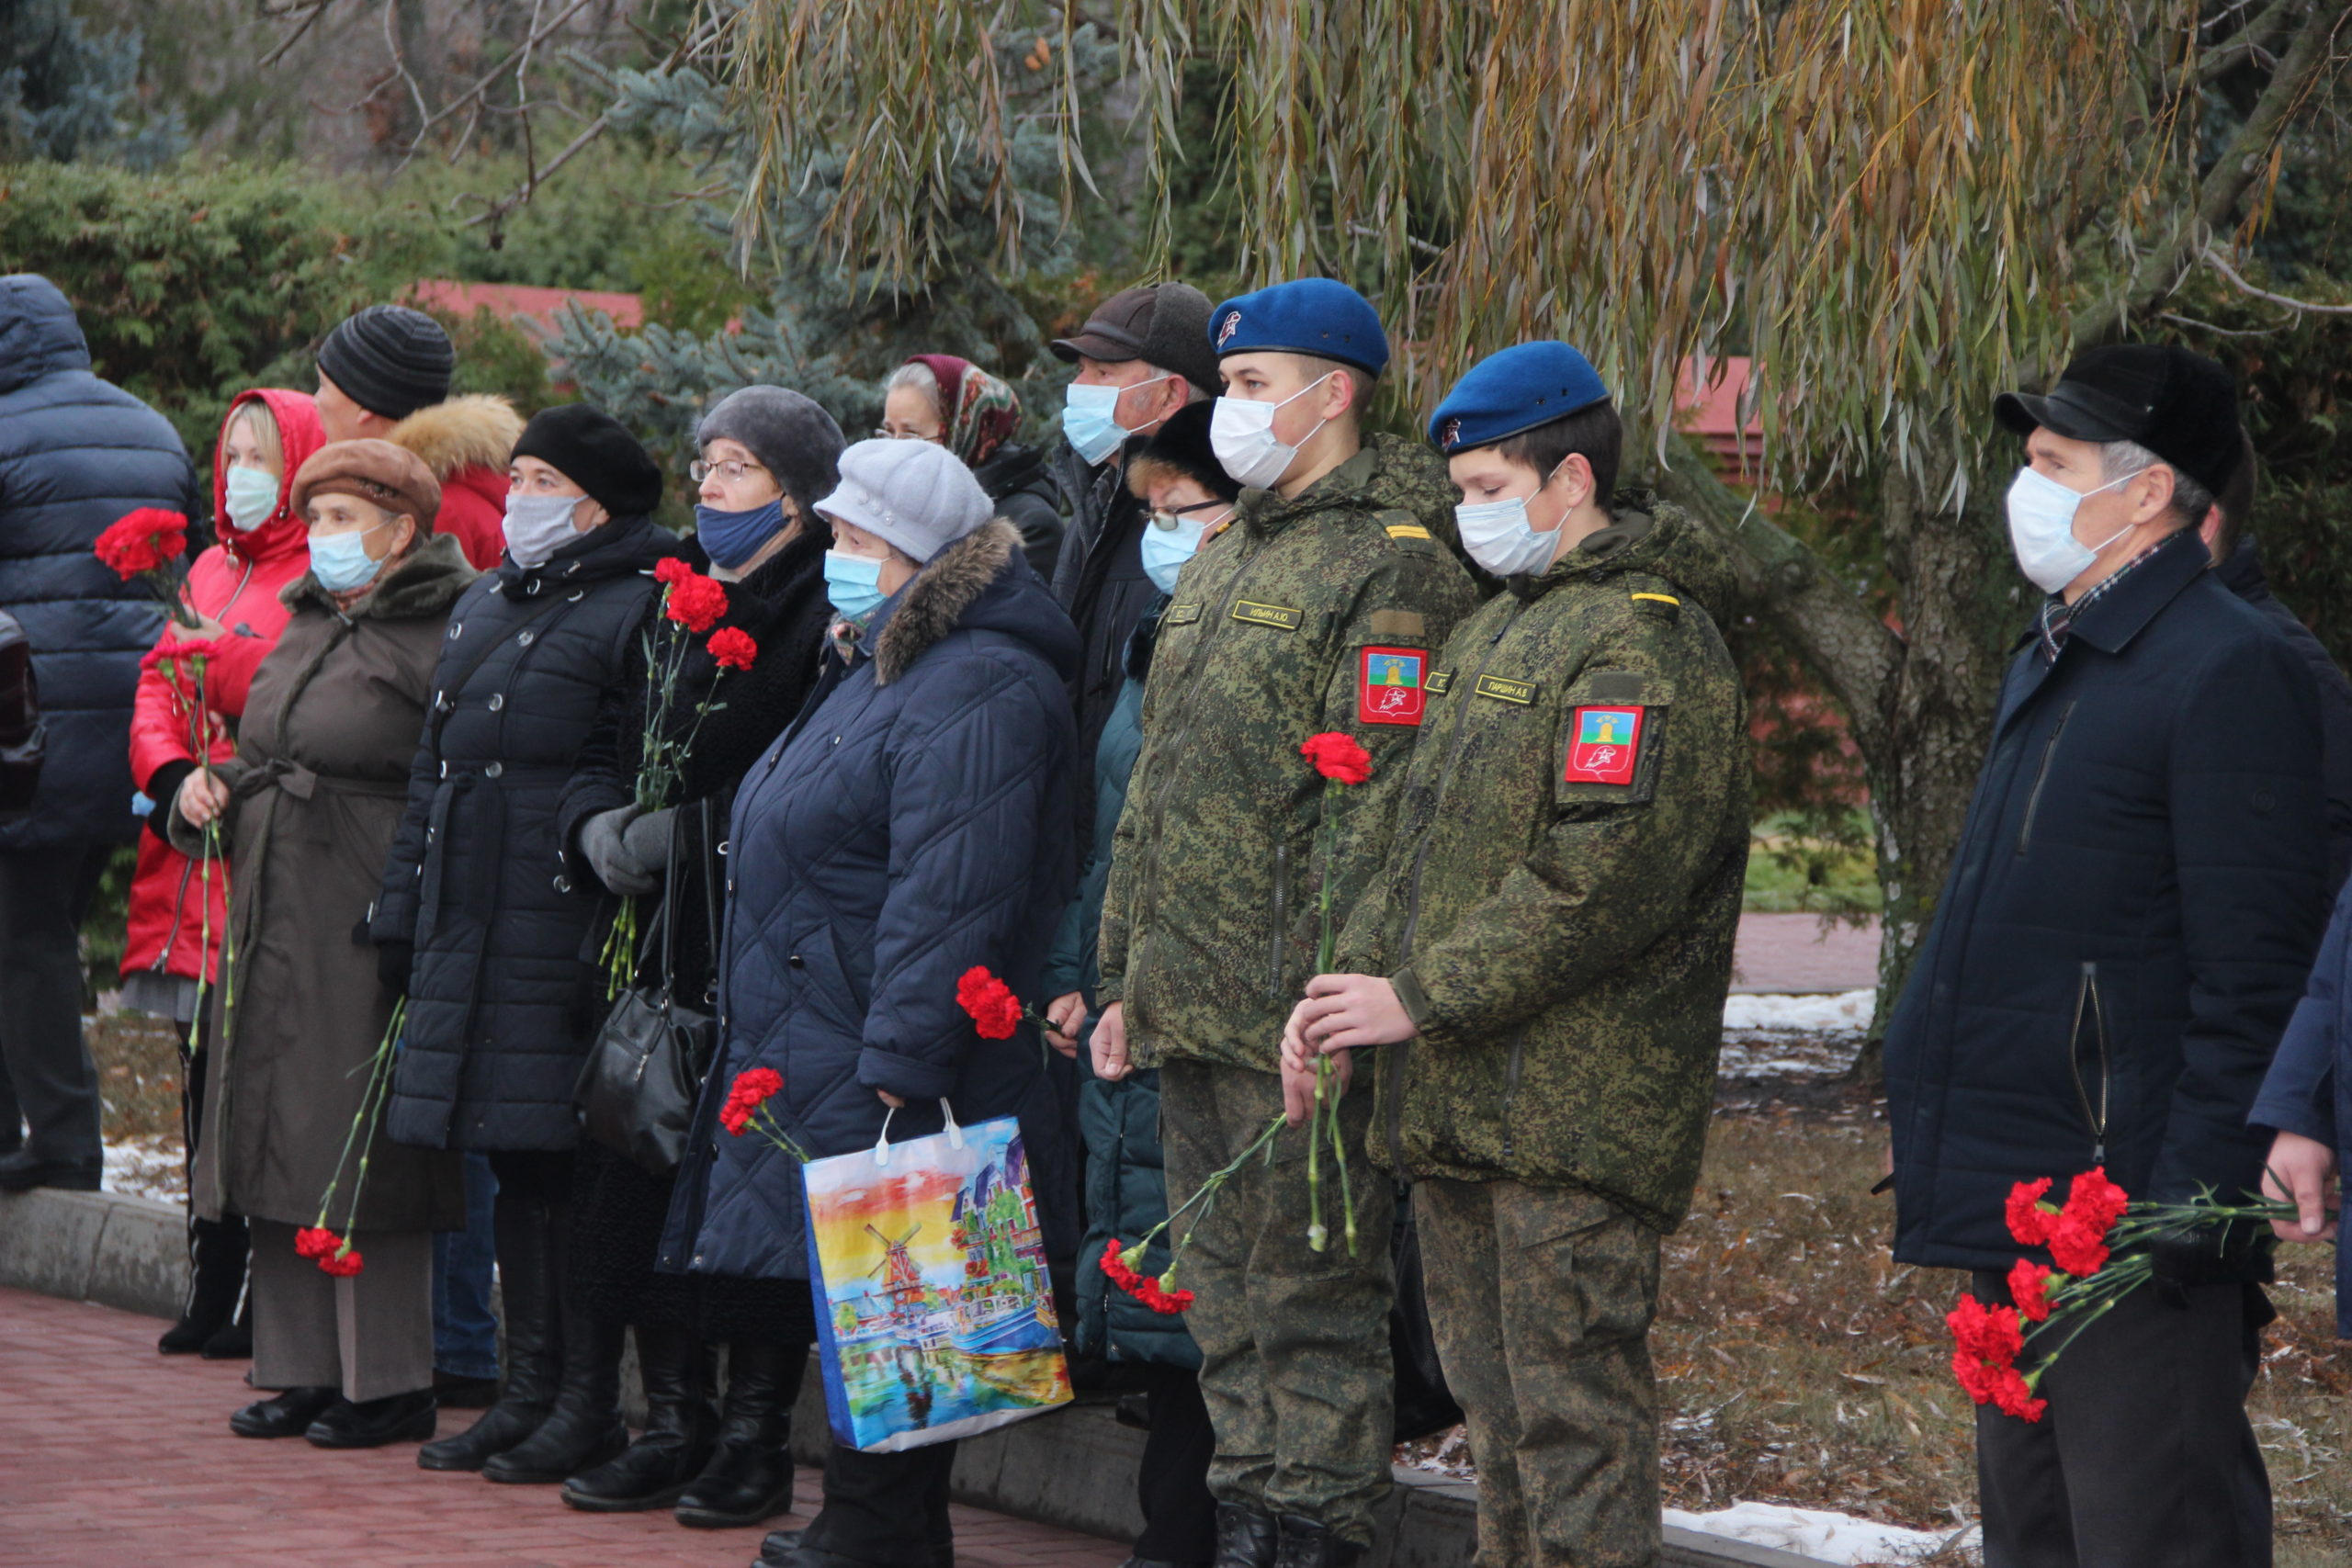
(913, 494)
(791, 436)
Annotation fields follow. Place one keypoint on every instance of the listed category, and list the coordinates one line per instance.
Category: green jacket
(1209, 924)
(1558, 908)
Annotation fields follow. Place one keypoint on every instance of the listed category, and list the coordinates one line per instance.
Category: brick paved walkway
(1791, 953)
(114, 1457)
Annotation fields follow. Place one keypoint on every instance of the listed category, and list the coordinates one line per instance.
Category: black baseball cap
(2176, 403)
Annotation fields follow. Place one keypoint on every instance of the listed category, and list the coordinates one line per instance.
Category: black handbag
(637, 1090)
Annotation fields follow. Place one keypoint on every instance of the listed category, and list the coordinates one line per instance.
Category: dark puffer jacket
(2243, 575)
(1100, 582)
(501, 1005)
(1016, 479)
(910, 825)
(2131, 913)
(75, 455)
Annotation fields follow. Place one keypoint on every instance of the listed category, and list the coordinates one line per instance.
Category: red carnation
(2029, 1285)
(751, 1090)
(343, 1263)
(1975, 1379)
(995, 1011)
(1150, 1293)
(315, 1241)
(1988, 1333)
(2095, 1201)
(1338, 757)
(696, 601)
(733, 648)
(142, 541)
(2079, 1245)
(2030, 1220)
(2015, 1395)
(671, 569)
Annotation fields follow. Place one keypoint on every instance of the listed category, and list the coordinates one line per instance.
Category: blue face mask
(731, 539)
(1087, 421)
(251, 496)
(341, 562)
(854, 583)
(1165, 550)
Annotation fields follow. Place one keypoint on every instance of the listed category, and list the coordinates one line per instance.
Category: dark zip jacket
(2134, 903)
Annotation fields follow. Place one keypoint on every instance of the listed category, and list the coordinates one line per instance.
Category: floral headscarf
(981, 411)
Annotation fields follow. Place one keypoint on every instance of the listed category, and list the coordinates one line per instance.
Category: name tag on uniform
(1281, 616)
(1389, 686)
(1182, 614)
(1603, 745)
(1504, 690)
(1440, 682)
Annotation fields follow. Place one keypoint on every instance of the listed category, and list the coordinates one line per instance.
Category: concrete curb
(1074, 1468)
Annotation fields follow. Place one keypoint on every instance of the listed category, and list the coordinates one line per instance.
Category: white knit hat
(914, 495)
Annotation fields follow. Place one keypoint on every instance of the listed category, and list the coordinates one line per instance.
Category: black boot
(372, 1423)
(749, 1478)
(585, 1428)
(533, 1352)
(680, 1429)
(216, 1285)
(233, 1340)
(1245, 1538)
(1306, 1544)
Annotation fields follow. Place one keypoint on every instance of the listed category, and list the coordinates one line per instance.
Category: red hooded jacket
(235, 583)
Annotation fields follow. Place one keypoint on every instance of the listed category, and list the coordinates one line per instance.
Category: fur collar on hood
(950, 583)
(475, 430)
(426, 584)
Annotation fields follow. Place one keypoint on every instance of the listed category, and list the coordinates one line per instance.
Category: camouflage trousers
(1294, 1359)
(1542, 1299)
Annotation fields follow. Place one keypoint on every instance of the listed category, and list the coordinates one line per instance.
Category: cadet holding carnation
(1544, 957)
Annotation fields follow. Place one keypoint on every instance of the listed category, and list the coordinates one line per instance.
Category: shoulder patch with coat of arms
(1603, 745)
(1391, 687)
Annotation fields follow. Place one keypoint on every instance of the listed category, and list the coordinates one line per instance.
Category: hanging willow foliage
(1893, 205)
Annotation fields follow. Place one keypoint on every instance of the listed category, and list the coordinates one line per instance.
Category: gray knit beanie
(791, 435)
(914, 495)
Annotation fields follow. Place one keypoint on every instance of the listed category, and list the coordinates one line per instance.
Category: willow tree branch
(2219, 262)
(2242, 163)
(2258, 40)
(1786, 582)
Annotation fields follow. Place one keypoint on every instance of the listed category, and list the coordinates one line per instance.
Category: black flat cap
(2176, 403)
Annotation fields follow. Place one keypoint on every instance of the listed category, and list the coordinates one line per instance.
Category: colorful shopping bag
(934, 1311)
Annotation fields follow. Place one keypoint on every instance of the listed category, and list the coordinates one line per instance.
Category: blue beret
(1517, 390)
(1313, 315)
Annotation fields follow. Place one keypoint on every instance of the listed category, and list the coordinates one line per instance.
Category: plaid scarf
(2058, 617)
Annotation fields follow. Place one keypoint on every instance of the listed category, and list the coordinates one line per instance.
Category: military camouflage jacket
(1314, 613)
(1558, 908)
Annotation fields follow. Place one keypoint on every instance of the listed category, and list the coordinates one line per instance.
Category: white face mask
(251, 496)
(2041, 529)
(1241, 433)
(538, 526)
(1497, 535)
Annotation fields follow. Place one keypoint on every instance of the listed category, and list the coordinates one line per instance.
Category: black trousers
(216, 1249)
(46, 1079)
(885, 1510)
(2146, 1457)
(1179, 1512)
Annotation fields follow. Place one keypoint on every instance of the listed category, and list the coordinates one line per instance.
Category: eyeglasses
(732, 470)
(884, 432)
(1168, 519)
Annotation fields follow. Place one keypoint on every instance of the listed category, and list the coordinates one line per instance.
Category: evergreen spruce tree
(66, 93)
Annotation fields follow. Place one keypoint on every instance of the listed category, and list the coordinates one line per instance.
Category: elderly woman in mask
(767, 457)
(952, 401)
(306, 810)
(484, 920)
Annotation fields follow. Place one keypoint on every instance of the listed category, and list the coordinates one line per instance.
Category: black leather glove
(395, 965)
(603, 841)
(2200, 1255)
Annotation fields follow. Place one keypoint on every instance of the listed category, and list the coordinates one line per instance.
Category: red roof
(1709, 391)
(517, 300)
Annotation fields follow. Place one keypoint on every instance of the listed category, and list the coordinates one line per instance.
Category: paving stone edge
(1073, 1469)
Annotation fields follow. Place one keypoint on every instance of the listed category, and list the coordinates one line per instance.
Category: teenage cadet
(1544, 955)
(1209, 922)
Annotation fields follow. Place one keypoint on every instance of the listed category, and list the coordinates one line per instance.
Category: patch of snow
(147, 1168)
(1826, 1537)
(1815, 1014)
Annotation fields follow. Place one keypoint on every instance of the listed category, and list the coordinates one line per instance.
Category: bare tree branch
(2219, 262)
(2258, 40)
(310, 12)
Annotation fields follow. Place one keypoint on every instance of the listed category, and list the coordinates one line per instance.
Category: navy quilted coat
(503, 1002)
(912, 823)
(76, 454)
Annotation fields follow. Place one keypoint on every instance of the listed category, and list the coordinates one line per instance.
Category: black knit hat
(1181, 447)
(594, 451)
(389, 360)
(791, 435)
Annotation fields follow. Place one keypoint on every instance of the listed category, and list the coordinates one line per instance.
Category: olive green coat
(1209, 922)
(318, 786)
(1564, 943)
